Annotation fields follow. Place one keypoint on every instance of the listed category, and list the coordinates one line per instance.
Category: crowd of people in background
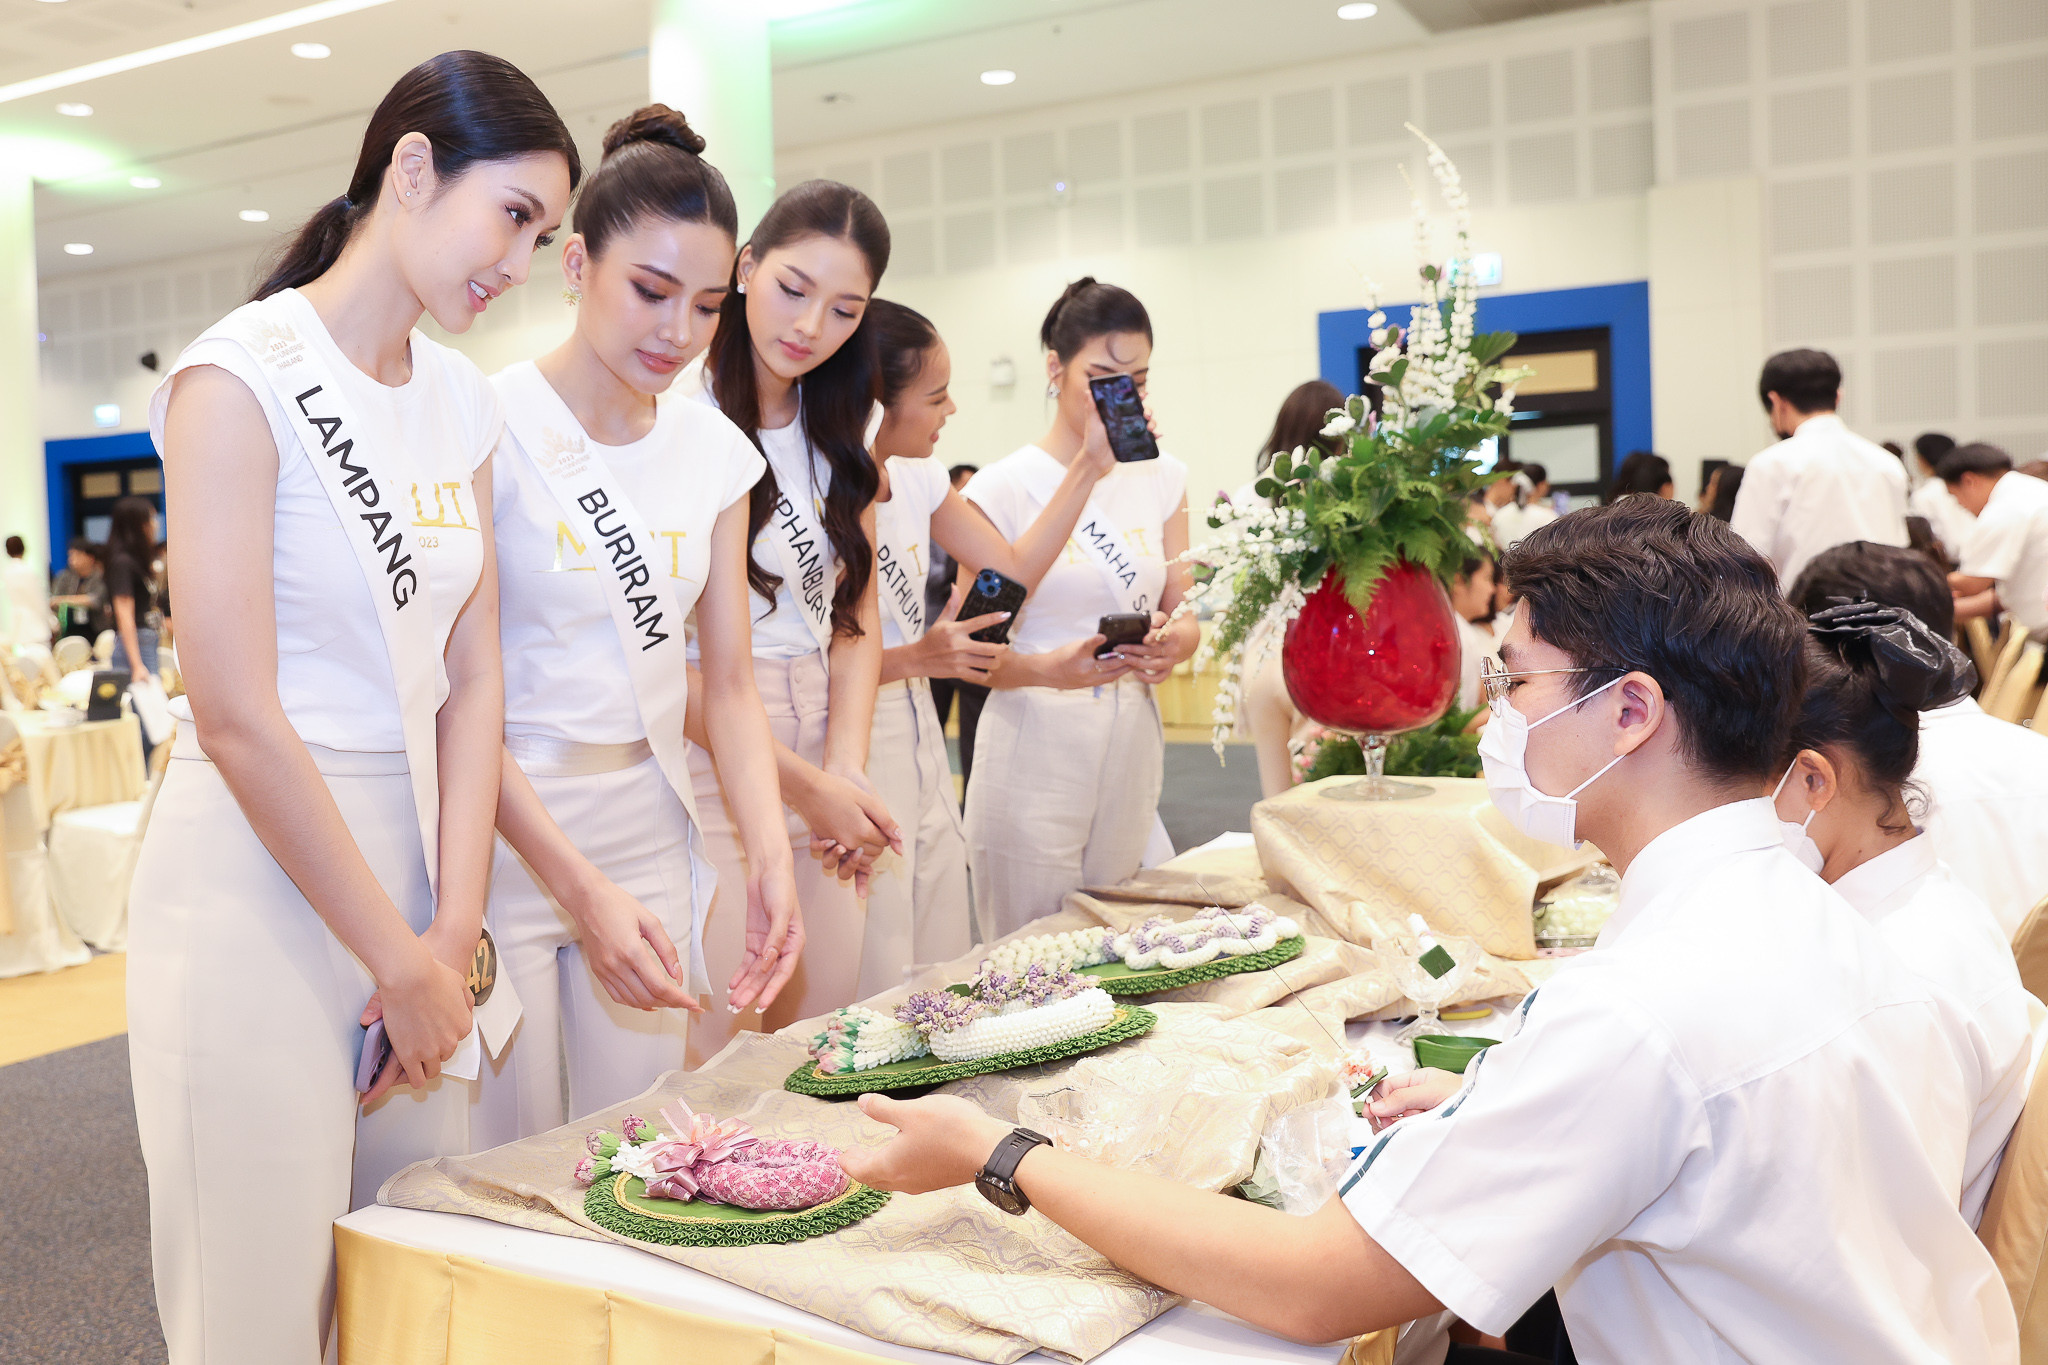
(117, 589)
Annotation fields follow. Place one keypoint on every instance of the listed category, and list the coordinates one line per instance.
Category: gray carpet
(1200, 799)
(74, 1214)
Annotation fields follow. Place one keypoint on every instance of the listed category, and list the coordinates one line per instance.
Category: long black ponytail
(471, 107)
(837, 396)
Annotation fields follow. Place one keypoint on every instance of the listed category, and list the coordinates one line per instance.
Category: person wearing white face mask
(1844, 801)
(1700, 1133)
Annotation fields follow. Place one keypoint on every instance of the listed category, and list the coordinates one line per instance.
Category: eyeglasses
(1494, 679)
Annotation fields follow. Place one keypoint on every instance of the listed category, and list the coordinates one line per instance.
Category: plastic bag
(1303, 1157)
(1572, 913)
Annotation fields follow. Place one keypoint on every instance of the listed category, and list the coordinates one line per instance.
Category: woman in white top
(599, 891)
(1844, 802)
(1070, 750)
(917, 907)
(319, 852)
(793, 366)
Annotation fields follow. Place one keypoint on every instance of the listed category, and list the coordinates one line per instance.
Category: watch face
(1000, 1193)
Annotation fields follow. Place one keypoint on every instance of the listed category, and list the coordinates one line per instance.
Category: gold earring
(573, 295)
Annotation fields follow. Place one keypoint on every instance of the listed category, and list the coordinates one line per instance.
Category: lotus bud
(636, 1128)
(586, 1170)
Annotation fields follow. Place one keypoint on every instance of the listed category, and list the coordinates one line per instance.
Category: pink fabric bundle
(726, 1162)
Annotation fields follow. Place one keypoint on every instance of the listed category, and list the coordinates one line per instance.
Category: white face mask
(1797, 841)
(1503, 748)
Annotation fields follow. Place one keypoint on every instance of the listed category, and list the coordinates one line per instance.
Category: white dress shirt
(2009, 543)
(28, 602)
(1820, 487)
(1511, 523)
(1987, 805)
(1734, 1131)
(1950, 519)
(1945, 933)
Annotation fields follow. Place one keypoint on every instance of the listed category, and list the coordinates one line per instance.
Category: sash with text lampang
(596, 505)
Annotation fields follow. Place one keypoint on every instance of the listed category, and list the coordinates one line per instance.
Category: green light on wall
(51, 158)
(778, 10)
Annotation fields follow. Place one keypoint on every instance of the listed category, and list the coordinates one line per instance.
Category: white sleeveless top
(780, 631)
(334, 673)
(1138, 498)
(565, 669)
(916, 489)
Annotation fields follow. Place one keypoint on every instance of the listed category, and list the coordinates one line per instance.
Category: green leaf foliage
(1439, 750)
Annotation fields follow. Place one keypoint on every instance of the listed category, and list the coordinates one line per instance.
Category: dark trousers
(1537, 1338)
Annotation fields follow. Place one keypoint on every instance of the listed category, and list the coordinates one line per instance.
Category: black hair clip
(1917, 669)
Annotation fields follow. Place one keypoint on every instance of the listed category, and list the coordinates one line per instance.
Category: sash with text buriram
(1099, 540)
(367, 473)
(898, 577)
(597, 507)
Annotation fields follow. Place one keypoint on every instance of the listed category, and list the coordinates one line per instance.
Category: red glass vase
(1391, 669)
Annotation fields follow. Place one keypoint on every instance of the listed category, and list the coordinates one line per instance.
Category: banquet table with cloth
(94, 763)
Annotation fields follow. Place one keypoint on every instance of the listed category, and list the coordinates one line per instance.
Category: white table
(1188, 1335)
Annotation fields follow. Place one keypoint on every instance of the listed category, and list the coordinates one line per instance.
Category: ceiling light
(312, 52)
(78, 248)
(145, 182)
(254, 216)
(72, 109)
(999, 76)
(1357, 11)
(185, 47)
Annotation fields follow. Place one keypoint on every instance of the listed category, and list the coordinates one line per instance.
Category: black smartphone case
(992, 591)
(1121, 628)
(1130, 442)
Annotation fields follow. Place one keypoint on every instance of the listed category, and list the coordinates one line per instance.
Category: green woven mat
(1129, 1021)
(1118, 979)
(619, 1203)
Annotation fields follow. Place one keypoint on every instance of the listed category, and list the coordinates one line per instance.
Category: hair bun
(654, 123)
(1915, 669)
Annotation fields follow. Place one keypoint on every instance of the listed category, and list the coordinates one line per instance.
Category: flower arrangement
(721, 1159)
(1396, 487)
(1442, 749)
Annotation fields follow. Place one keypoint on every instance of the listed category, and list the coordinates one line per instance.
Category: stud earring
(1052, 390)
(743, 286)
(573, 295)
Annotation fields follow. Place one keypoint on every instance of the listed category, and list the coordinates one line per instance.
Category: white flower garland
(1213, 933)
(994, 1034)
(1072, 950)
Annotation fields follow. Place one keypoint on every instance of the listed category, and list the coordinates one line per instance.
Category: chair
(2014, 700)
(103, 648)
(2012, 642)
(2015, 1224)
(2030, 950)
(70, 654)
(92, 862)
(32, 938)
(1983, 649)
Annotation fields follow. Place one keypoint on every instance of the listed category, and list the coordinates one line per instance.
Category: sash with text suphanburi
(645, 612)
(802, 553)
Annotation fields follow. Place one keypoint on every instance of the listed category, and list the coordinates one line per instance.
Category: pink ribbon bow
(693, 1143)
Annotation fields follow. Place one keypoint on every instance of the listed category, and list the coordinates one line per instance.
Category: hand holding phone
(992, 592)
(1121, 628)
(1123, 416)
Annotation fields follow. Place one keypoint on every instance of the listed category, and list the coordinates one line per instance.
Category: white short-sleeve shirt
(2009, 543)
(565, 668)
(904, 524)
(334, 675)
(1987, 805)
(1945, 934)
(1734, 1131)
(1820, 487)
(1138, 497)
(1950, 520)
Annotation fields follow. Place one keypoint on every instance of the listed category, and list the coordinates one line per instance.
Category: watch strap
(1002, 1163)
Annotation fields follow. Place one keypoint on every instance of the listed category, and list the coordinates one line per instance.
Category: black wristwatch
(997, 1179)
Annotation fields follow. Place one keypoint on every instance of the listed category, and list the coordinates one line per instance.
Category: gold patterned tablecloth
(1449, 857)
(96, 763)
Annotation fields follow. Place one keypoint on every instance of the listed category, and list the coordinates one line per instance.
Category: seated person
(1986, 780)
(2005, 556)
(1870, 670)
(1734, 1131)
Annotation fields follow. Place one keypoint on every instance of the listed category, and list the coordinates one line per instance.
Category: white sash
(650, 624)
(367, 474)
(802, 554)
(1098, 538)
(898, 580)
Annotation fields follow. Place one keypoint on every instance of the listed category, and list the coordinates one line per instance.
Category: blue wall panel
(59, 456)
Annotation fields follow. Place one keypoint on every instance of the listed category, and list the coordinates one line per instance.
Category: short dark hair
(1810, 381)
(1885, 574)
(1727, 483)
(1087, 309)
(1978, 457)
(1536, 472)
(1645, 584)
(957, 470)
(83, 545)
(1932, 445)
(1643, 471)
(16, 547)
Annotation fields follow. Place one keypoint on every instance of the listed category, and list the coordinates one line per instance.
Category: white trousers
(242, 1037)
(917, 903)
(1065, 795)
(577, 1050)
(794, 692)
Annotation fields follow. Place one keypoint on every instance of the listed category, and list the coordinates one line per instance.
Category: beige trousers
(242, 1037)
(1065, 794)
(794, 691)
(917, 903)
(577, 1050)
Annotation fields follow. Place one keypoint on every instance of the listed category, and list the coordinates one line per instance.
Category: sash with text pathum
(898, 578)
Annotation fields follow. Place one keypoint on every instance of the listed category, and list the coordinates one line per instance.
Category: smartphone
(1122, 628)
(992, 591)
(376, 1052)
(1123, 413)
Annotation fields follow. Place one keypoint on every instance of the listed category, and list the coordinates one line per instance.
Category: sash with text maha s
(1100, 541)
(644, 611)
(367, 472)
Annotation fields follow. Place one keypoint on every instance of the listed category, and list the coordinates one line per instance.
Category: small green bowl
(1449, 1051)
